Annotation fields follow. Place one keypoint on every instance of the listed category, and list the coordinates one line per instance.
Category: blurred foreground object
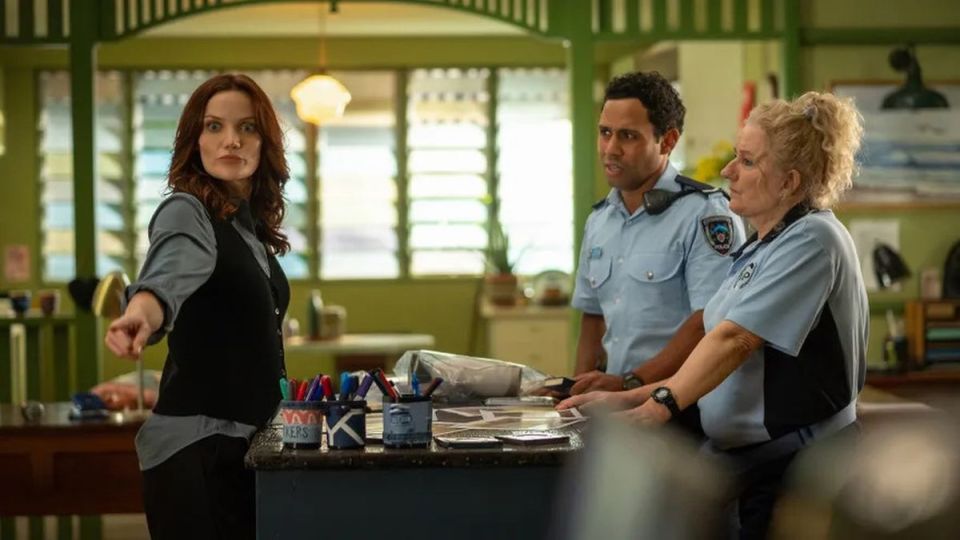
(899, 479)
(638, 483)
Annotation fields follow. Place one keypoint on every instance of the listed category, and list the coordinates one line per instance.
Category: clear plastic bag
(467, 378)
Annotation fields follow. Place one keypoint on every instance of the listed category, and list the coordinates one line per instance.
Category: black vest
(225, 355)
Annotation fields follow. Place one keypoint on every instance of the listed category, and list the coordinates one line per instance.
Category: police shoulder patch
(718, 232)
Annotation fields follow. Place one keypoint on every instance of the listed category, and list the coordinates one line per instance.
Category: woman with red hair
(211, 284)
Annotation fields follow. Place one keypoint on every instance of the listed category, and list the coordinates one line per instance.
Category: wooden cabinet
(933, 332)
(536, 336)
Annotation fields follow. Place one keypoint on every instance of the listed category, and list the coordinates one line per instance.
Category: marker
(346, 388)
(292, 388)
(327, 387)
(284, 389)
(365, 386)
(312, 389)
(393, 388)
(354, 385)
(415, 384)
(381, 381)
(302, 390)
(432, 386)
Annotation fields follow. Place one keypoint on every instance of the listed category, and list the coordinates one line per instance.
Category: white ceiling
(351, 19)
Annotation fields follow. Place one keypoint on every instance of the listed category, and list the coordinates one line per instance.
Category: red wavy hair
(187, 174)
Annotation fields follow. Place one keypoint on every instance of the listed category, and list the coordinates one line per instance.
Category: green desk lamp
(913, 94)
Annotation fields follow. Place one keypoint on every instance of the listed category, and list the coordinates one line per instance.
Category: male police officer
(654, 250)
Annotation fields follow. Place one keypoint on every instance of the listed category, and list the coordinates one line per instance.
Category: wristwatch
(631, 381)
(664, 396)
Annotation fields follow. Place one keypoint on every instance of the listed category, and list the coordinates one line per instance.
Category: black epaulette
(690, 183)
(600, 204)
(656, 201)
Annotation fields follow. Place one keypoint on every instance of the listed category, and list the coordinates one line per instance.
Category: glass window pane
(357, 169)
(382, 265)
(447, 170)
(446, 262)
(534, 167)
(55, 154)
(446, 236)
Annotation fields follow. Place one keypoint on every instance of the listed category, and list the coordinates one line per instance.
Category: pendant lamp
(320, 98)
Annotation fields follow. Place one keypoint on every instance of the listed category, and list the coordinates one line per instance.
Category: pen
(415, 384)
(302, 390)
(393, 388)
(381, 381)
(284, 389)
(312, 389)
(365, 386)
(346, 388)
(354, 385)
(432, 386)
(327, 387)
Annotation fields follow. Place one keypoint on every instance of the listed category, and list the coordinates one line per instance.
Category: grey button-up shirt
(181, 258)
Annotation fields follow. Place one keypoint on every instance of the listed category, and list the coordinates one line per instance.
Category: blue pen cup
(302, 424)
(346, 423)
(408, 422)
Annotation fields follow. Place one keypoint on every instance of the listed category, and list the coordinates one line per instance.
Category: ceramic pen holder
(346, 423)
(302, 424)
(407, 422)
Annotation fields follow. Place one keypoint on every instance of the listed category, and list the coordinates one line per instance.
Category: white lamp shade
(320, 98)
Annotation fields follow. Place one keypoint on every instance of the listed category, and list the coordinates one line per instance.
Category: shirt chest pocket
(654, 268)
(598, 271)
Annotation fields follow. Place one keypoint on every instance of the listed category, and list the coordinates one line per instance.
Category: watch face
(660, 393)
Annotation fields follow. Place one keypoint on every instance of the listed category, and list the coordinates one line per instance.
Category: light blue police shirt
(800, 289)
(647, 273)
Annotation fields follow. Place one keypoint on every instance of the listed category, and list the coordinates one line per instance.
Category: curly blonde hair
(818, 135)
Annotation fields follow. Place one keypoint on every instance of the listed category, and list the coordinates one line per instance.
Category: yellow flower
(708, 167)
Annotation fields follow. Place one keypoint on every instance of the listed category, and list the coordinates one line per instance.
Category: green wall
(444, 308)
(926, 234)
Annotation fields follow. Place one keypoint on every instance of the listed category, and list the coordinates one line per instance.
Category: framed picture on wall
(906, 154)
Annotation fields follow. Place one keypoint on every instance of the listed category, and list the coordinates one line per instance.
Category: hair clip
(808, 112)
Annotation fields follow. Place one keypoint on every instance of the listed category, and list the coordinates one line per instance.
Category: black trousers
(761, 487)
(202, 491)
(760, 484)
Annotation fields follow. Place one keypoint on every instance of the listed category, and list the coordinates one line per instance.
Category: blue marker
(344, 385)
(313, 390)
(415, 384)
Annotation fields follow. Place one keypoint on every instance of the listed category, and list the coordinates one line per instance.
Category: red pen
(327, 387)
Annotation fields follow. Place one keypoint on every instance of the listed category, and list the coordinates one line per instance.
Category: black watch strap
(631, 381)
(664, 396)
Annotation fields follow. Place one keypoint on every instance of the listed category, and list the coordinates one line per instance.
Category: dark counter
(435, 492)
(267, 453)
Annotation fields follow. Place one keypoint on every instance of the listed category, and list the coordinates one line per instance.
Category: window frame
(312, 178)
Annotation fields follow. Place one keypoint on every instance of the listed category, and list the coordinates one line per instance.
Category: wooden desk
(57, 466)
(352, 352)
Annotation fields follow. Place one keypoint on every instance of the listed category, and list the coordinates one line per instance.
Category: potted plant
(500, 281)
